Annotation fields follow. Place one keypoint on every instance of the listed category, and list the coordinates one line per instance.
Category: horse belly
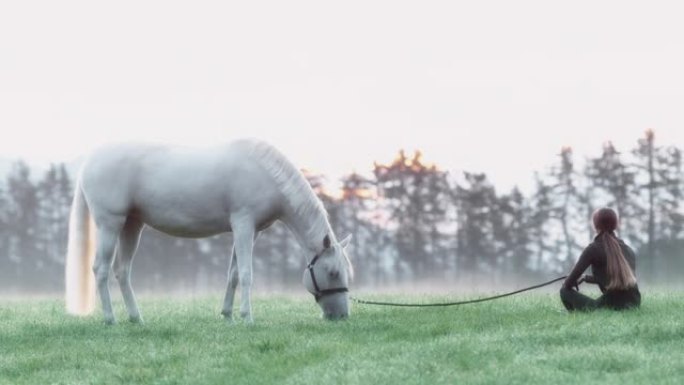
(186, 225)
(202, 213)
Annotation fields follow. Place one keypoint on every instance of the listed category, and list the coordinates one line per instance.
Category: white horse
(240, 187)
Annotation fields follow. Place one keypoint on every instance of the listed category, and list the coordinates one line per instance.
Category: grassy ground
(521, 340)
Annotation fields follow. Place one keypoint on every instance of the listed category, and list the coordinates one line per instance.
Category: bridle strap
(318, 294)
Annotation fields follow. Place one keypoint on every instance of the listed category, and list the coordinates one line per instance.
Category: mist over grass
(528, 339)
(472, 286)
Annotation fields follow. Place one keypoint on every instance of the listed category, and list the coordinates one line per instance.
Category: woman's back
(599, 264)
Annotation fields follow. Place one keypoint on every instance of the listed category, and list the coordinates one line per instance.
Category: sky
(489, 86)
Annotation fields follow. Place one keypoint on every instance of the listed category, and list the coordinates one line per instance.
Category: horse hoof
(110, 321)
(227, 315)
(136, 320)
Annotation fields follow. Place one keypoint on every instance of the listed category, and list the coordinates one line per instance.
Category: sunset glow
(437, 77)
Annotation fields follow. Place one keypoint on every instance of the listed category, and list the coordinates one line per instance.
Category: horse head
(327, 278)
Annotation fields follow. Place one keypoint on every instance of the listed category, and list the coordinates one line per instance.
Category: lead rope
(380, 303)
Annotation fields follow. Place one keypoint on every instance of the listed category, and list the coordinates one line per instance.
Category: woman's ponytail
(620, 275)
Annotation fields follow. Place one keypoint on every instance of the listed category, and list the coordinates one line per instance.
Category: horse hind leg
(233, 280)
(107, 235)
(128, 244)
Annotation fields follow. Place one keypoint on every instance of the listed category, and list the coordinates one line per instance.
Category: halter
(318, 294)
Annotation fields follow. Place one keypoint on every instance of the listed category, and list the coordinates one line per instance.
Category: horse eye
(334, 274)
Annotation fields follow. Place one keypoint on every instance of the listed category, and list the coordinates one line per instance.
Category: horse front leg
(243, 245)
(233, 279)
(232, 285)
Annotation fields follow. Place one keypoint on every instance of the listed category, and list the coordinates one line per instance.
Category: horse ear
(345, 242)
(326, 242)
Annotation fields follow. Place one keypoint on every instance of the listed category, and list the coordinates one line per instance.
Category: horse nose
(336, 316)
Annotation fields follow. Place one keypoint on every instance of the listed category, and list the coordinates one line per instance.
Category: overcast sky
(494, 86)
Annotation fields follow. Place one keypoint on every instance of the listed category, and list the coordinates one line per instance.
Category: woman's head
(605, 220)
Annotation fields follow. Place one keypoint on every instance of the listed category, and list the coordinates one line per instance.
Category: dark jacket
(594, 255)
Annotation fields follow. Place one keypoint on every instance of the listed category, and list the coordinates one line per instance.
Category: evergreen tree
(49, 237)
(565, 200)
(416, 195)
(614, 182)
(645, 155)
(356, 212)
(476, 199)
(513, 233)
(543, 242)
(22, 221)
(658, 176)
(669, 216)
(6, 272)
(669, 204)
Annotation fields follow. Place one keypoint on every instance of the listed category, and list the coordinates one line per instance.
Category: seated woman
(613, 266)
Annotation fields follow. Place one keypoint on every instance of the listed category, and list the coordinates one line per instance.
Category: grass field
(521, 340)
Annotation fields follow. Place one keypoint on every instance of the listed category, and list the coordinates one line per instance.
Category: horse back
(181, 191)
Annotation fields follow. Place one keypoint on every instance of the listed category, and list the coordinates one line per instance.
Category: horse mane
(299, 196)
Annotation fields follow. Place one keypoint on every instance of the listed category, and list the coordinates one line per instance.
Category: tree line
(411, 222)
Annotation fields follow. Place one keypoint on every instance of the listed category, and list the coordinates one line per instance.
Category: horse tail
(79, 278)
